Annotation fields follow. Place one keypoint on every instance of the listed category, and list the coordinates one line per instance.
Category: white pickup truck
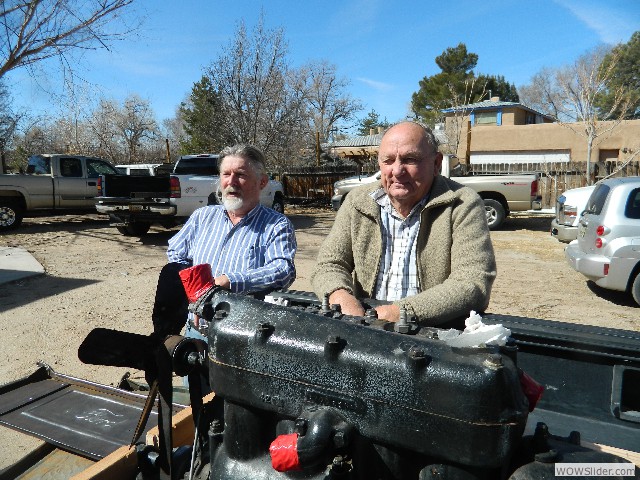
(134, 203)
(54, 183)
(502, 194)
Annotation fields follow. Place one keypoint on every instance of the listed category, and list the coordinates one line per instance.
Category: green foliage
(371, 121)
(203, 117)
(496, 86)
(456, 60)
(625, 80)
(456, 85)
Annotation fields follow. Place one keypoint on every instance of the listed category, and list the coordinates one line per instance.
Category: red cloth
(196, 280)
(532, 389)
(284, 453)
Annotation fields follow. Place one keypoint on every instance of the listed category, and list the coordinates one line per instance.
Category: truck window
(96, 167)
(206, 165)
(39, 165)
(70, 167)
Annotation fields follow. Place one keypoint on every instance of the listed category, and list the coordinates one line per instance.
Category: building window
(486, 118)
(530, 119)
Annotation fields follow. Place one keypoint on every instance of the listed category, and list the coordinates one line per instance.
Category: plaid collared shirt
(398, 273)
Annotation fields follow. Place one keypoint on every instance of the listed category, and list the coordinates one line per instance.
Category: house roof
(374, 140)
(493, 104)
(361, 141)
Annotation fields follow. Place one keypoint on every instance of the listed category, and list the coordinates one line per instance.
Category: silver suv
(607, 250)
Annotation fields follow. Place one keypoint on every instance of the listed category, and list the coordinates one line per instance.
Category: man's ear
(263, 181)
(437, 163)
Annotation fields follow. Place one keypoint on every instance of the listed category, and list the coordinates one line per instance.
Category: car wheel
(495, 213)
(635, 288)
(11, 214)
(278, 203)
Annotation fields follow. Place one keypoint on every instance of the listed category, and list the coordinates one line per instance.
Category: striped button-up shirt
(255, 254)
(398, 273)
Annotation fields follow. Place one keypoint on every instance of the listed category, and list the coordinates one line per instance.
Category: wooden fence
(311, 183)
(555, 178)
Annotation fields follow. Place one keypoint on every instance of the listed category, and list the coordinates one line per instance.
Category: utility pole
(168, 151)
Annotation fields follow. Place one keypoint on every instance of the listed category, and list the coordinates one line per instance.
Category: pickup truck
(54, 183)
(502, 194)
(134, 203)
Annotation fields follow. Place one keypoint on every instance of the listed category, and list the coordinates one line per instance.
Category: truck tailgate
(76, 415)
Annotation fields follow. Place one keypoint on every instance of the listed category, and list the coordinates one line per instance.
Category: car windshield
(597, 199)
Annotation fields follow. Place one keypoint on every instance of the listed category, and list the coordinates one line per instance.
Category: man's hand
(223, 281)
(349, 305)
(390, 313)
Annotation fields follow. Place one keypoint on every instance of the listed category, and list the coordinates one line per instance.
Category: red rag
(284, 453)
(532, 389)
(196, 280)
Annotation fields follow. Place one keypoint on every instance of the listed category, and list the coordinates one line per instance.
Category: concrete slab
(17, 263)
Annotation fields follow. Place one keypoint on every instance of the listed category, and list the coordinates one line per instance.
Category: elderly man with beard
(250, 247)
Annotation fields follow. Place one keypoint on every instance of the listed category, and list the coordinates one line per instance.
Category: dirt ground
(96, 277)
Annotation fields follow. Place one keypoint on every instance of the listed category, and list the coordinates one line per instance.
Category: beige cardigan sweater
(456, 262)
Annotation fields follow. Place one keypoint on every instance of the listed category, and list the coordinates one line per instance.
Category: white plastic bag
(475, 334)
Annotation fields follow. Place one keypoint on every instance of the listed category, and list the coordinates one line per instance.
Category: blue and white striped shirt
(255, 254)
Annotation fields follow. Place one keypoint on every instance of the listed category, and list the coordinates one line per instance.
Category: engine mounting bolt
(339, 439)
(546, 457)
(300, 426)
(416, 353)
(493, 360)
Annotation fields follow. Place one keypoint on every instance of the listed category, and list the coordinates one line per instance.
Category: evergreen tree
(456, 85)
(371, 121)
(203, 116)
(625, 79)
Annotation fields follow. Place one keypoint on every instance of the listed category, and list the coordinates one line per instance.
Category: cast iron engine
(317, 394)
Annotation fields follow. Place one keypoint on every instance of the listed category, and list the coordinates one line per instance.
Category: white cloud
(380, 86)
(612, 25)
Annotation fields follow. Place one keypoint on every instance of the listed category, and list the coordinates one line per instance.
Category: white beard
(232, 204)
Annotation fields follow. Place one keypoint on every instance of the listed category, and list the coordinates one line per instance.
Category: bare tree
(456, 124)
(137, 126)
(544, 94)
(102, 124)
(327, 100)
(261, 105)
(35, 30)
(570, 95)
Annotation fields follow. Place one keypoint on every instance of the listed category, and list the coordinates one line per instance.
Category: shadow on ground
(623, 299)
(536, 223)
(22, 292)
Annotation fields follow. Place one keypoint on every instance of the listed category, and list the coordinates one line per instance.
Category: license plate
(135, 208)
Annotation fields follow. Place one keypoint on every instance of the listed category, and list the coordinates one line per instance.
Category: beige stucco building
(495, 132)
(507, 132)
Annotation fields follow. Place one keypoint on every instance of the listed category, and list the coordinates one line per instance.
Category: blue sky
(383, 48)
